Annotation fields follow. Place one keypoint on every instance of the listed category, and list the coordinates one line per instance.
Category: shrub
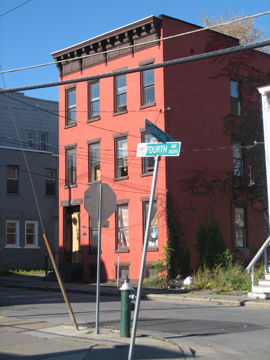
(210, 243)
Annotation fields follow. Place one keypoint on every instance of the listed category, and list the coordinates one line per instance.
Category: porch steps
(262, 290)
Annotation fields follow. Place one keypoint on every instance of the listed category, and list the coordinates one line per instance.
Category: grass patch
(39, 272)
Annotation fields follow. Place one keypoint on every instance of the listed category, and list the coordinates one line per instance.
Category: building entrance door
(72, 234)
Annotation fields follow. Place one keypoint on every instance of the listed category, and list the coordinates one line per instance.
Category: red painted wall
(198, 95)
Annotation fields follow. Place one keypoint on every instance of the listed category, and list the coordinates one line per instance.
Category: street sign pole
(98, 258)
(145, 245)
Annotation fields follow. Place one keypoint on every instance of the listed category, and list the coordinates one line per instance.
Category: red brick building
(102, 121)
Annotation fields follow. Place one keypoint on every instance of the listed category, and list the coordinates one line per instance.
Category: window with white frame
(94, 100)
(12, 179)
(240, 227)
(71, 167)
(235, 98)
(31, 233)
(120, 93)
(70, 106)
(121, 158)
(148, 162)
(30, 138)
(94, 162)
(148, 87)
(43, 141)
(122, 226)
(153, 229)
(12, 233)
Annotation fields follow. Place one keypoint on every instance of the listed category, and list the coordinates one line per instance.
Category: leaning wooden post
(60, 282)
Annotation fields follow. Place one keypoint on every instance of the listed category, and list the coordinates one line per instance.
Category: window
(31, 233)
(121, 165)
(240, 227)
(123, 272)
(122, 226)
(120, 93)
(148, 162)
(70, 166)
(235, 99)
(238, 168)
(70, 106)
(12, 233)
(93, 239)
(50, 176)
(153, 230)
(94, 162)
(94, 100)
(30, 139)
(12, 179)
(150, 271)
(148, 87)
(43, 141)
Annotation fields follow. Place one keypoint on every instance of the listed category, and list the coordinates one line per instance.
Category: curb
(212, 300)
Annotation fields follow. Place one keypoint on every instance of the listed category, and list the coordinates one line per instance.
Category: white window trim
(36, 233)
(17, 242)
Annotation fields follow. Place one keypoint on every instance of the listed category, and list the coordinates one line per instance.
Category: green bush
(228, 275)
(210, 242)
(157, 282)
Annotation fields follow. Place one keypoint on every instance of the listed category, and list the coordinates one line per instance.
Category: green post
(125, 308)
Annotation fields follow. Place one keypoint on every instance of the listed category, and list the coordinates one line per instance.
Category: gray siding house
(28, 143)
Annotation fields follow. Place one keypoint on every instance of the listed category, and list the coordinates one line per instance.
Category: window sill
(119, 113)
(122, 250)
(12, 247)
(31, 247)
(13, 194)
(152, 248)
(147, 105)
(147, 174)
(70, 186)
(121, 178)
(93, 119)
(92, 182)
(70, 125)
(51, 196)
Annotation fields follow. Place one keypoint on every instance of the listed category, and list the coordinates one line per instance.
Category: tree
(246, 31)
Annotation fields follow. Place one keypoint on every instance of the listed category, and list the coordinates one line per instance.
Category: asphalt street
(205, 331)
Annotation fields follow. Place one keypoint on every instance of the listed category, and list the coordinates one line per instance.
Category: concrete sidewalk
(42, 340)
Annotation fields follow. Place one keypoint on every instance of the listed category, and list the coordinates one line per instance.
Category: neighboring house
(21, 232)
(195, 103)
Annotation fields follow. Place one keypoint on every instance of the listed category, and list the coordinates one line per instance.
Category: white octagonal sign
(91, 201)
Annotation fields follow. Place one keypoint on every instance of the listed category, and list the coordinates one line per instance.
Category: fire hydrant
(126, 306)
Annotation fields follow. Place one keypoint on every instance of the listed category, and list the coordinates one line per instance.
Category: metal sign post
(98, 258)
(100, 203)
(145, 245)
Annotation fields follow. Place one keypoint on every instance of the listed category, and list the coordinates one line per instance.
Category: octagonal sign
(91, 201)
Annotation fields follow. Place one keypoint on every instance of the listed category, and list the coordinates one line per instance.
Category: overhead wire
(7, 12)
(141, 44)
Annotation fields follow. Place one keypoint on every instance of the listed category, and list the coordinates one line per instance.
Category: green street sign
(152, 129)
(163, 149)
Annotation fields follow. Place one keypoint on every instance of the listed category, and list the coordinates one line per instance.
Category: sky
(30, 30)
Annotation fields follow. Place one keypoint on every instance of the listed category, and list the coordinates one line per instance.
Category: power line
(7, 12)
(141, 44)
(178, 61)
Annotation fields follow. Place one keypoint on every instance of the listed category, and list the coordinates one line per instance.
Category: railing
(48, 262)
(263, 250)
